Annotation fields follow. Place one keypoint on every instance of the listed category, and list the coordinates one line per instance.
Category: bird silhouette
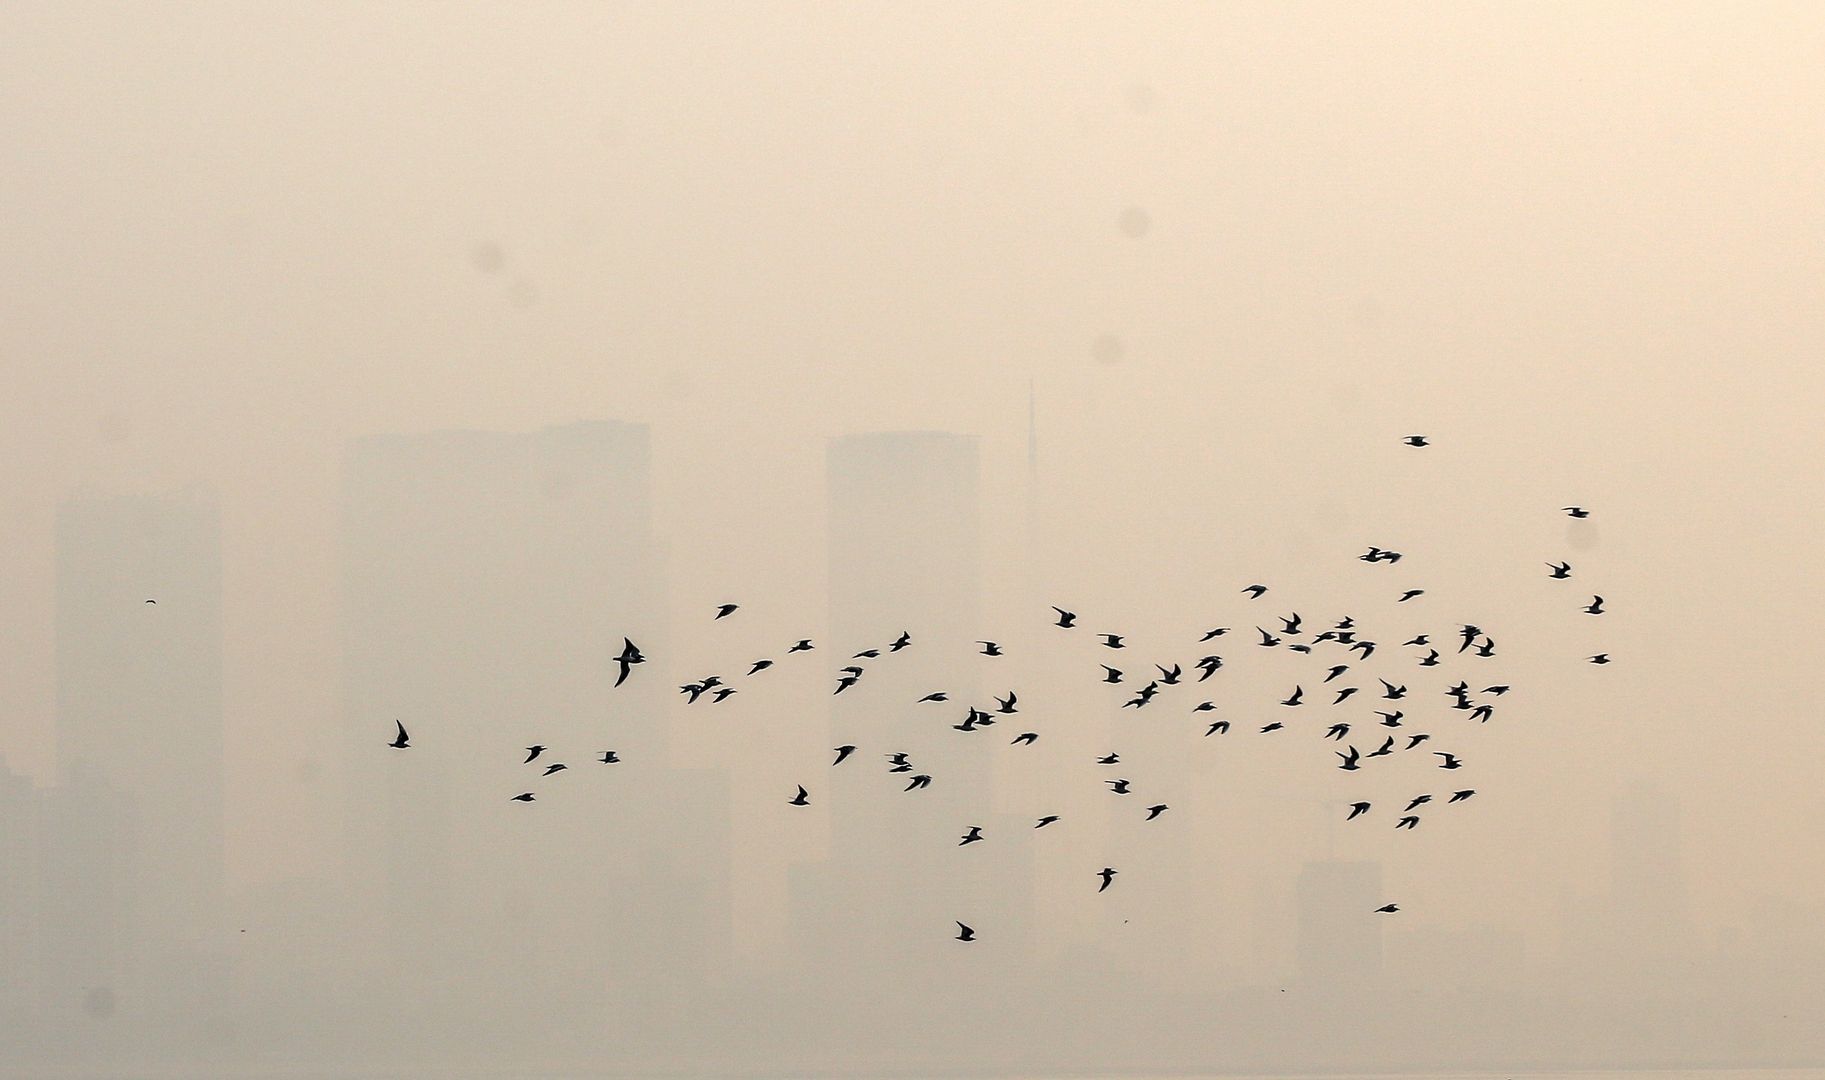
(1209, 665)
(1460, 796)
(152, 601)
(1357, 809)
(1343, 695)
(1595, 607)
(1408, 822)
(1027, 737)
(722, 694)
(1418, 800)
(1577, 512)
(1066, 619)
(803, 798)
(399, 741)
(1268, 640)
(899, 763)
(1290, 627)
(1216, 633)
(1416, 739)
(760, 665)
(1047, 820)
(1600, 658)
(525, 796)
(842, 753)
(723, 610)
(1111, 675)
(628, 658)
(1350, 760)
(1416, 440)
(1410, 594)
(802, 645)
(1156, 810)
(900, 642)
(936, 696)
(1275, 726)
(919, 781)
(1388, 909)
(1254, 591)
(609, 757)
(1391, 719)
(1006, 704)
(1336, 671)
(1298, 692)
(1430, 659)
(1108, 875)
(1170, 676)
(989, 648)
(866, 654)
(532, 752)
(1119, 787)
(1220, 727)
(1386, 749)
(1337, 731)
(845, 683)
(965, 933)
(1560, 570)
(1469, 633)
(971, 837)
(1109, 759)
(1113, 641)
(555, 766)
(1450, 762)
(1391, 692)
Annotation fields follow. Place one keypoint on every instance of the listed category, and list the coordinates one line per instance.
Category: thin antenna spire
(1032, 438)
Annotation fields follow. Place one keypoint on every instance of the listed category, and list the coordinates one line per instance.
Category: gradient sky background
(1239, 250)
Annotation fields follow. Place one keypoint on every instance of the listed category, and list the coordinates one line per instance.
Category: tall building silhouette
(488, 580)
(20, 825)
(905, 555)
(93, 922)
(1339, 934)
(1647, 881)
(139, 709)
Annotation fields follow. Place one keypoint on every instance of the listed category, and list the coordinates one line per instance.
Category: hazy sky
(1239, 249)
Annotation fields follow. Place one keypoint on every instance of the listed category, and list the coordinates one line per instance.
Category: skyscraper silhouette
(1647, 882)
(20, 824)
(1339, 933)
(488, 581)
(139, 722)
(905, 555)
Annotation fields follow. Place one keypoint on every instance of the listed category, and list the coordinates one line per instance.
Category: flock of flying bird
(1341, 638)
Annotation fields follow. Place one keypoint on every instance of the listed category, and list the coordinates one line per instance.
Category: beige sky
(1578, 244)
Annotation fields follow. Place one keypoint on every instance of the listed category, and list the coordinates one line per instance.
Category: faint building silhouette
(905, 555)
(1647, 880)
(139, 725)
(488, 581)
(20, 829)
(1339, 933)
(92, 910)
(139, 685)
